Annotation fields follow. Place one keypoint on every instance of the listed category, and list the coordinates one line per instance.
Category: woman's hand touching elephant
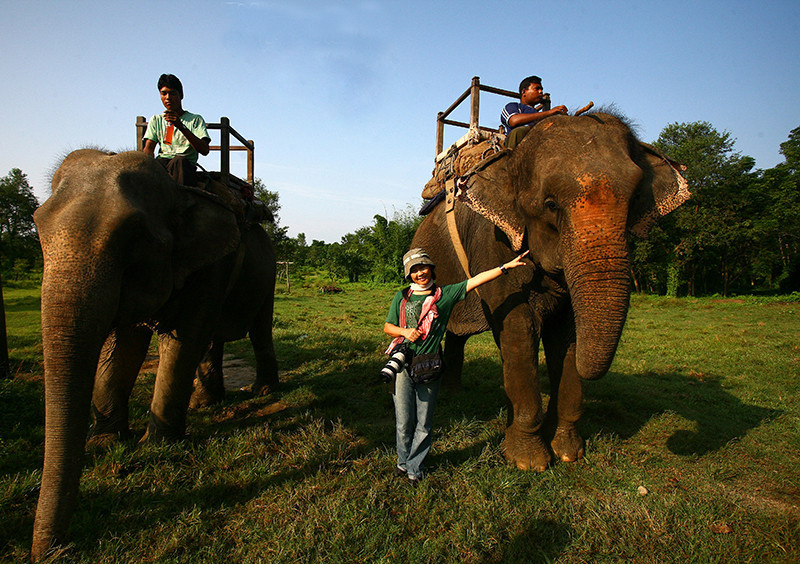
(515, 263)
(492, 273)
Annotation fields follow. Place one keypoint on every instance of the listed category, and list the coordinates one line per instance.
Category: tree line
(738, 234)
(372, 253)
(740, 231)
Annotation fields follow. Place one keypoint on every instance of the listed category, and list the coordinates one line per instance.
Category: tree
(372, 252)
(18, 237)
(699, 246)
(779, 225)
(4, 367)
(352, 255)
(279, 235)
(390, 239)
(740, 232)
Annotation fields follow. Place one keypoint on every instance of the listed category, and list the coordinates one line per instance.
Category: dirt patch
(780, 501)
(242, 411)
(238, 374)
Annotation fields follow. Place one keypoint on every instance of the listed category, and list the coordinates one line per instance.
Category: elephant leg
(266, 362)
(519, 347)
(453, 360)
(178, 361)
(209, 384)
(120, 360)
(566, 390)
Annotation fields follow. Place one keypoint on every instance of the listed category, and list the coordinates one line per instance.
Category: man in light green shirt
(180, 135)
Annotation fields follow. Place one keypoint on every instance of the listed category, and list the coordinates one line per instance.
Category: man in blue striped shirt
(517, 117)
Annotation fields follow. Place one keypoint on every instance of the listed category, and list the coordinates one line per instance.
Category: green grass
(700, 408)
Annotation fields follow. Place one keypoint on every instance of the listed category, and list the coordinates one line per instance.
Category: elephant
(569, 193)
(128, 251)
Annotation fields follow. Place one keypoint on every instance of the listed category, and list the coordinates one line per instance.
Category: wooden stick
(586, 108)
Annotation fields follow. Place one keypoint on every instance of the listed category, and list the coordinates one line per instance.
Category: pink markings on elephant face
(597, 188)
(599, 214)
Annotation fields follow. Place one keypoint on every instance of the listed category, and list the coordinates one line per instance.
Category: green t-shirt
(180, 146)
(451, 295)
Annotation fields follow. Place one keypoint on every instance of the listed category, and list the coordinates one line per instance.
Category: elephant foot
(567, 444)
(159, 431)
(202, 397)
(452, 386)
(261, 389)
(102, 441)
(526, 451)
(105, 426)
(451, 381)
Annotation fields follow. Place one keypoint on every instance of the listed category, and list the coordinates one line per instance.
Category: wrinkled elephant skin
(124, 246)
(570, 193)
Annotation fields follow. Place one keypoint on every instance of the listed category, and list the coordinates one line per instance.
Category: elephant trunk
(597, 267)
(600, 292)
(74, 328)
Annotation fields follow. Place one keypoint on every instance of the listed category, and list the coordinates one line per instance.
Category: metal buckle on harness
(450, 194)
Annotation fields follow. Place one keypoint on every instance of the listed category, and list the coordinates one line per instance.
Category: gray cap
(415, 257)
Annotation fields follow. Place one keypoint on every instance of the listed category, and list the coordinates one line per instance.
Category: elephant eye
(551, 205)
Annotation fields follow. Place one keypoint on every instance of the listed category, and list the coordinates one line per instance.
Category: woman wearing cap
(418, 316)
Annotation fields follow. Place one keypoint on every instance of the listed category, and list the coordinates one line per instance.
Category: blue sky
(341, 97)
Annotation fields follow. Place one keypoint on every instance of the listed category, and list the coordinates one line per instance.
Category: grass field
(693, 452)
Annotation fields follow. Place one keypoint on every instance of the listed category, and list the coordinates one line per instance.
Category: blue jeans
(413, 408)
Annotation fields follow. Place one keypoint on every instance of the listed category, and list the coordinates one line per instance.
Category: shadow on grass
(620, 404)
(624, 403)
(542, 540)
(23, 304)
(140, 509)
(21, 425)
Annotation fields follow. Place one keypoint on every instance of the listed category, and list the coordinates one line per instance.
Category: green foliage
(280, 239)
(372, 253)
(378, 250)
(700, 408)
(739, 233)
(19, 242)
(672, 280)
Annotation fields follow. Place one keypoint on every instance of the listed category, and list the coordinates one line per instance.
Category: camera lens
(393, 366)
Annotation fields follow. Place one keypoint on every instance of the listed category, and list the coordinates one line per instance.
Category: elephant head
(119, 239)
(570, 192)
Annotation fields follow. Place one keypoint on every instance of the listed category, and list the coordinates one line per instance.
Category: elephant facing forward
(569, 192)
(125, 248)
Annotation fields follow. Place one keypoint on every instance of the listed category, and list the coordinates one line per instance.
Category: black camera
(398, 358)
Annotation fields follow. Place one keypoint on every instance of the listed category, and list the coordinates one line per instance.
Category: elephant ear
(662, 190)
(488, 191)
(205, 231)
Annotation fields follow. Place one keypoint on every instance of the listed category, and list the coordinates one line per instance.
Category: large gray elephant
(127, 250)
(570, 193)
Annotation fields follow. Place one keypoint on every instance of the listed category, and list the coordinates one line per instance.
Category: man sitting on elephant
(518, 117)
(180, 135)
